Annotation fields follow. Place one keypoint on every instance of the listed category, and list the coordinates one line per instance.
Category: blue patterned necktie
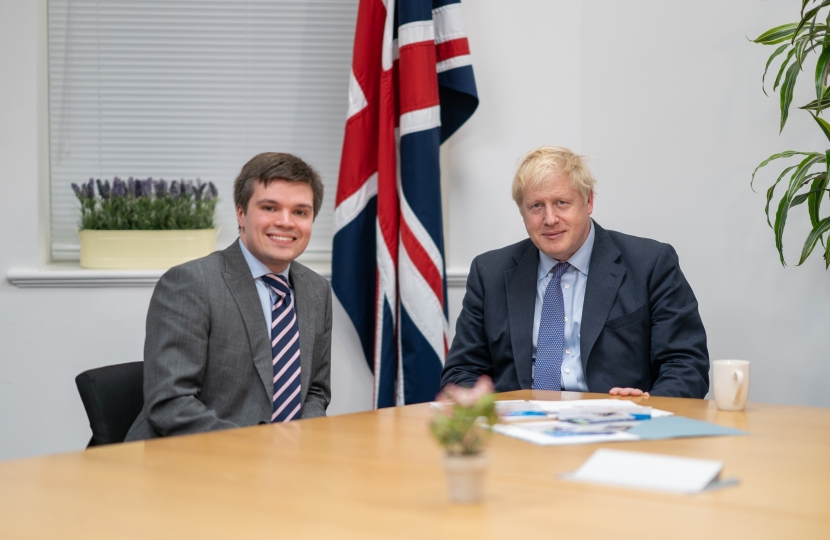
(285, 352)
(547, 373)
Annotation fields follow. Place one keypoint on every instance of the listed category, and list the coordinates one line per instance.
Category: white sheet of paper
(534, 432)
(609, 404)
(647, 471)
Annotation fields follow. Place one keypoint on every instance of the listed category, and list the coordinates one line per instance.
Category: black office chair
(113, 396)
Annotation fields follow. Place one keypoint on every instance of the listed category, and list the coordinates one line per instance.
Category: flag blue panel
(421, 366)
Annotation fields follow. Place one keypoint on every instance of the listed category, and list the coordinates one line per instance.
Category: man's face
(556, 217)
(276, 227)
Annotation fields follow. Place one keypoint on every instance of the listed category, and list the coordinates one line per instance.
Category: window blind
(193, 89)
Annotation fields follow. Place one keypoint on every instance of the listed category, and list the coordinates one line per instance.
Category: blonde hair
(538, 165)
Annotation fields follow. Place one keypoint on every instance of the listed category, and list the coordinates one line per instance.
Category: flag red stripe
(451, 49)
(422, 261)
(418, 78)
(387, 171)
(360, 149)
(360, 152)
(368, 47)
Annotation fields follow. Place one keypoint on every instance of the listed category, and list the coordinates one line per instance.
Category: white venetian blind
(184, 89)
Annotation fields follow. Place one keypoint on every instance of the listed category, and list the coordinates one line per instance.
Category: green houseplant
(806, 179)
(145, 223)
(462, 426)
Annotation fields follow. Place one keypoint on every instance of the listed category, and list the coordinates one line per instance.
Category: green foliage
(462, 424)
(808, 179)
(146, 205)
(461, 432)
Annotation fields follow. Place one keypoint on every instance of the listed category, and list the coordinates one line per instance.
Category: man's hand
(633, 392)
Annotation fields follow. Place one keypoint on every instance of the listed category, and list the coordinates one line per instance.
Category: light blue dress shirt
(573, 283)
(267, 297)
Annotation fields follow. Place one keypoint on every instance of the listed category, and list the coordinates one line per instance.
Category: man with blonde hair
(576, 307)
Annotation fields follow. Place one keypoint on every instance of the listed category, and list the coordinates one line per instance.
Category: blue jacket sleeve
(469, 357)
(678, 340)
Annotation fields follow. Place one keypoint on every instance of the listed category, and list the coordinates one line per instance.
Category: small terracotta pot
(465, 476)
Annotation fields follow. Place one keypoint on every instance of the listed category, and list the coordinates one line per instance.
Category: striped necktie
(285, 349)
(547, 371)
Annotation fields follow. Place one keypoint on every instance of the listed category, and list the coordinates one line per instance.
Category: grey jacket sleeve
(175, 355)
(319, 391)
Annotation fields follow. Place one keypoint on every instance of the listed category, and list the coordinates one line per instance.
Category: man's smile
(280, 238)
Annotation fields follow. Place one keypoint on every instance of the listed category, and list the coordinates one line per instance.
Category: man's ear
(240, 217)
(590, 202)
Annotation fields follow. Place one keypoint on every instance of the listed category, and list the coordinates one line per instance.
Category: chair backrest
(113, 396)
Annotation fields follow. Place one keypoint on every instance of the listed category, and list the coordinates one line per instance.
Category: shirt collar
(579, 260)
(258, 268)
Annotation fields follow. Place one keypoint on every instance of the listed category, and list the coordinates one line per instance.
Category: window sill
(70, 275)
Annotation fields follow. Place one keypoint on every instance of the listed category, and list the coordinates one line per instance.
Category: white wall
(48, 336)
(665, 96)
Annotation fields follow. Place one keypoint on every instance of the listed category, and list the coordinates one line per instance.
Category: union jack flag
(411, 87)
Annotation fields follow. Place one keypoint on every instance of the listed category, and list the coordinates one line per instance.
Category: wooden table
(378, 475)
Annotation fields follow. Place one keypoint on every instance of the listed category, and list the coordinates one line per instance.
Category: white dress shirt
(573, 283)
(267, 296)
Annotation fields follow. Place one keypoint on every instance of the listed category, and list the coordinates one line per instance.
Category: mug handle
(739, 377)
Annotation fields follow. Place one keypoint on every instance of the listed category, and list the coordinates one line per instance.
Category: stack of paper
(592, 421)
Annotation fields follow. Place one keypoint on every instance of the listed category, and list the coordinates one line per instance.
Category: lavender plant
(146, 204)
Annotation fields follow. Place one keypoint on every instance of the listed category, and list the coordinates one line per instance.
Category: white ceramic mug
(731, 381)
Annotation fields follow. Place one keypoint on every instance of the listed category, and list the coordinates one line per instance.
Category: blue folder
(672, 427)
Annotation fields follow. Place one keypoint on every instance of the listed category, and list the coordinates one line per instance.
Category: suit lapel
(241, 284)
(604, 279)
(520, 285)
(304, 306)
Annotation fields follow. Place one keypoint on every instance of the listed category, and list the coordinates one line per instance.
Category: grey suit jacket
(207, 352)
(640, 322)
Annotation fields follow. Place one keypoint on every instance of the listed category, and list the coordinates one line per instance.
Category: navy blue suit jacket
(640, 323)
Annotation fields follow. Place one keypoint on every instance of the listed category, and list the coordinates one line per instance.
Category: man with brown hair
(243, 336)
(576, 307)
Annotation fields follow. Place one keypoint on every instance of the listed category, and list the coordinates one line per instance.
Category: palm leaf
(782, 68)
(801, 49)
(821, 227)
(799, 199)
(821, 74)
(780, 217)
(796, 182)
(813, 105)
(816, 196)
(825, 127)
(780, 155)
(808, 16)
(771, 191)
(803, 45)
(778, 51)
(777, 34)
(803, 5)
(787, 93)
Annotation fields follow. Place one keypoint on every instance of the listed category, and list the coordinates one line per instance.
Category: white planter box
(144, 249)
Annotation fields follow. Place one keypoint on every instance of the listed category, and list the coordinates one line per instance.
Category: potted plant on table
(462, 426)
(145, 223)
(808, 177)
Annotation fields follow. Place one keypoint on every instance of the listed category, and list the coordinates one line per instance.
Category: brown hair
(269, 166)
